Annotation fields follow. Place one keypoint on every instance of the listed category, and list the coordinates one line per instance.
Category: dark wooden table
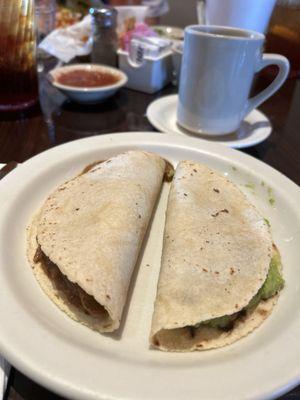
(58, 121)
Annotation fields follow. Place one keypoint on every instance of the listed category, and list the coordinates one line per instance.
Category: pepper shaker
(105, 38)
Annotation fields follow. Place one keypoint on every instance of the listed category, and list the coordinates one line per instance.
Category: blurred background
(282, 33)
(175, 14)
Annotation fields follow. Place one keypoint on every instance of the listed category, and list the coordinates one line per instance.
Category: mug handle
(284, 67)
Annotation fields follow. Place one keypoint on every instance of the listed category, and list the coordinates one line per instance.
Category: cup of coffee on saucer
(218, 67)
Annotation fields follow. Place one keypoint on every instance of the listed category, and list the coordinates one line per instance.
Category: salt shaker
(105, 39)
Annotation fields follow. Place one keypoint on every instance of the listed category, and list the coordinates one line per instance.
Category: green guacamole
(272, 285)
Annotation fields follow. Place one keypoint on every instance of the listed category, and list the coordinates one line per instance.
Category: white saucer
(254, 129)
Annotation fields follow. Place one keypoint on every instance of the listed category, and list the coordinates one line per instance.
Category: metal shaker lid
(104, 16)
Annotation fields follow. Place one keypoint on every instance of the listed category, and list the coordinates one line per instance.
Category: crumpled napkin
(75, 40)
(67, 43)
(4, 372)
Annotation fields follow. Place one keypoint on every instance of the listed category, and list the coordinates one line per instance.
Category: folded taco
(84, 242)
(220, 274)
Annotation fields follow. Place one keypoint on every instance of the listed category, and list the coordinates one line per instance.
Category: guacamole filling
(272, 285)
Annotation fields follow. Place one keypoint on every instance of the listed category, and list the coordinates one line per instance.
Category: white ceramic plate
(78, 363)
(254, 129)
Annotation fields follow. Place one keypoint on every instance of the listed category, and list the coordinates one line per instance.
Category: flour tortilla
(92, 228)
(216, 256)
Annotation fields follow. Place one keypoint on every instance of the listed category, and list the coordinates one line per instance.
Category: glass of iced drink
(283, 36)
(18, 72)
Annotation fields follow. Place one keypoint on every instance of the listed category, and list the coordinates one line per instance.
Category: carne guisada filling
(272, 285)
(72, 291)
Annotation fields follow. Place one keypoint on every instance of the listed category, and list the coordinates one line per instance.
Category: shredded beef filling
(73, 292)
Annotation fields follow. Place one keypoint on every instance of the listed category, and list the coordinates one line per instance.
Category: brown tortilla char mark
(262, 312)
(169, 172)
(221, 211)
(216, 190)
(232, 271)
(91, 166)
(73, 292)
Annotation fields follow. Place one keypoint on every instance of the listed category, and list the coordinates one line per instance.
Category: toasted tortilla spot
(90, 166)
(263, 313)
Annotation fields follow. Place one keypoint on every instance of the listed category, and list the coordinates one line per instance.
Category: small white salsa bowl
(87, 94)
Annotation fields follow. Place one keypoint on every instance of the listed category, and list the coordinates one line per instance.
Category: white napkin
(4, 366)
(67, 43)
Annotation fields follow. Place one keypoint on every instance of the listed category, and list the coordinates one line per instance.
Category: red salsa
(87, 78)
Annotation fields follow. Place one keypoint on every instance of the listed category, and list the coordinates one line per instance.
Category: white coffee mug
(217, 71)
